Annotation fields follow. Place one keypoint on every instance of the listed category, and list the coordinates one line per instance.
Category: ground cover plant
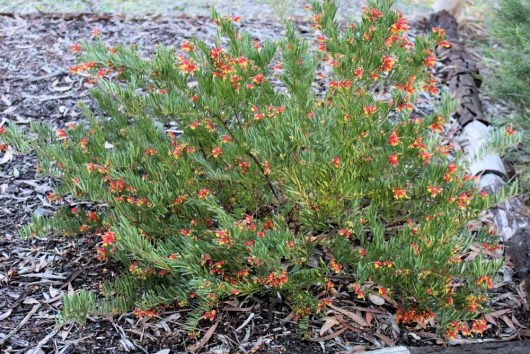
(264, 186)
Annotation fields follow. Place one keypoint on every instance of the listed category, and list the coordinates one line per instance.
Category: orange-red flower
(336, 162)
(472, 302)
(393, 159)
(143, 313)
(187, 66)
(430, 61)
(187, 46)
(413, 315)
(479, 326)
(390, 40)
(204, 193)
(425, 156)
(76, 69)
(334, 266)
(277, 280)
(375, 13)
(439, 125)
(108, 238)
(92, 216)
(266, 168)
(61, 134)
(357, 290)
(388, 63)
(394, 139)
(345, 233)
(102, 253)
(434, 190)
(368, 110)
(268, 225)
(400, 26)
(217, 151)
(379, 264)
(485, 280)
(418, 144)
(399, 193)
(244, 165)
(439, 31)
(406, 106)
(210, 315)
(452, 168)
(258, 79)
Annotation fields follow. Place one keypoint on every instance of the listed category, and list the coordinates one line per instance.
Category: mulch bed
(34, 273)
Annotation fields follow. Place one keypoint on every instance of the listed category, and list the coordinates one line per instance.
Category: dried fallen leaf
(53, 292)
(500, 312)
(8, 156)
(389, 300)
(515, 321)
(329, 323)
(472, 255)
(357, 318)
(369, 317)
(508, 322)
(490, 319)
(5, 314)
(385, 339)
(204, 340)
(329, 336)
(30, 300)
(64, 335)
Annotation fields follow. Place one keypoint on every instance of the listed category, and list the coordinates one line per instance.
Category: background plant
(218, 171)
(511, 65)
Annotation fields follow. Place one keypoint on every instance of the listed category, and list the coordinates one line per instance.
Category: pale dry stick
(250, 317)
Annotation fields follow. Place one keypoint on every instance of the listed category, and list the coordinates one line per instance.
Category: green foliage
(78, 307)
(511, 83)
(222, 172)
(16, 139)
(512, 31)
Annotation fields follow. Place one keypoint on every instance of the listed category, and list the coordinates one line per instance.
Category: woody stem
(253, 157)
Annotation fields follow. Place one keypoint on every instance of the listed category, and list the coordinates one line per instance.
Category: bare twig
(250, 317)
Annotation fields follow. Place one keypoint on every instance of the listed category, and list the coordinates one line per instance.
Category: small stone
(376, 300)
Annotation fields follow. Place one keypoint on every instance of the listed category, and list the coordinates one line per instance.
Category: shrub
(220, 171)
(511, 81)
